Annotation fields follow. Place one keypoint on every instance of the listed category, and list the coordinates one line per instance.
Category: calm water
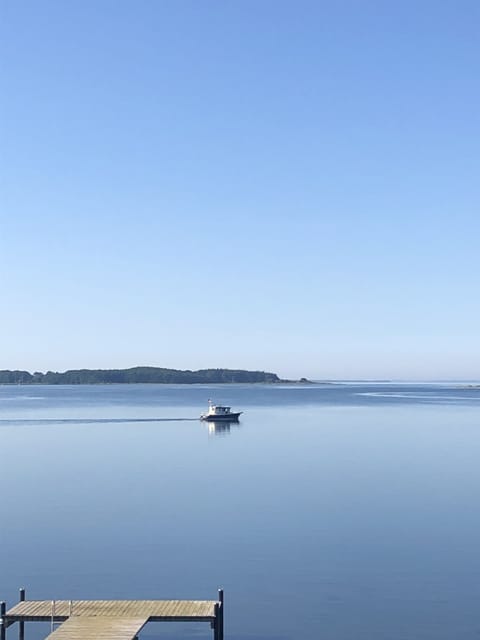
(331, 511)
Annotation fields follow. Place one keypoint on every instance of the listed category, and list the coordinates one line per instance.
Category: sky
(289, 186)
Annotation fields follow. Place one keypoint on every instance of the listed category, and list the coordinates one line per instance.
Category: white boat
(217, 412)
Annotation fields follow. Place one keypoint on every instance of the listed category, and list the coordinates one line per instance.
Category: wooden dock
(108, 619)
(83, 627)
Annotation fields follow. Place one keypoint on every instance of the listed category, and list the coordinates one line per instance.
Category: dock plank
(38, 610)
(98, 628)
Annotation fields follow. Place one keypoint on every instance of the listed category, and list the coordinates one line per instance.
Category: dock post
(21, 625)
(216, 625)
(3, 611)
(220, 614)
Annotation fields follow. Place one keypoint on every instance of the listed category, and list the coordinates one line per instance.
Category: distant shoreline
(143, 375)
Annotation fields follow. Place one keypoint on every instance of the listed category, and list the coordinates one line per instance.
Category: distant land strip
(137, 375)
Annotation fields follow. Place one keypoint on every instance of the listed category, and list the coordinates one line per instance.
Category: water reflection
(221, 428)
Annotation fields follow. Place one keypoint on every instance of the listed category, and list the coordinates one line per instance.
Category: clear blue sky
(289, 186)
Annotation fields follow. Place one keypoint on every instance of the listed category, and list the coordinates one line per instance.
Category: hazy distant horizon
(315, 377)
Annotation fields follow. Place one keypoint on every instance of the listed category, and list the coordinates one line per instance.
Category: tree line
(137, 375)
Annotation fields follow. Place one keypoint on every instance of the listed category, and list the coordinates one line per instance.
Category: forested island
(135, 375)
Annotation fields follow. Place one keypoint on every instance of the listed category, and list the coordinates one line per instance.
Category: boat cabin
(218, 410)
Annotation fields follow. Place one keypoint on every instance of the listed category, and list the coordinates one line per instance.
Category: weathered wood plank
(39, 610)
(98, 628)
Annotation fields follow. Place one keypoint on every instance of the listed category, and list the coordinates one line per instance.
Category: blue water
(331, 511)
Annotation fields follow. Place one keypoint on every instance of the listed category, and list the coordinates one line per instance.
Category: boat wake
(45, 421)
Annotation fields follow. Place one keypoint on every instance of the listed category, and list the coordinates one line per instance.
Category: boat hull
(230, 417)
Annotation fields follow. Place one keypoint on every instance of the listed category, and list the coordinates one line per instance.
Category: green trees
(138, 375)
(15, 377)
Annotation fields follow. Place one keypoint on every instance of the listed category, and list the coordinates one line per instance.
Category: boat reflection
(221, 427)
